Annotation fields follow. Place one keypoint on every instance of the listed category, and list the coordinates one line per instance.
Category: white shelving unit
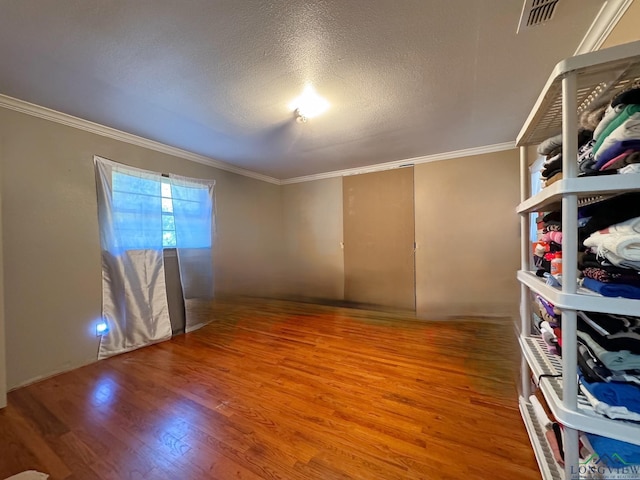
(544, 455)
(584, 418)
(583, 299)
(572, 86)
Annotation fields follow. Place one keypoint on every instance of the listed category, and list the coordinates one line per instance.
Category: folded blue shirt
(612, 289)
(615, 453)
(615, 394)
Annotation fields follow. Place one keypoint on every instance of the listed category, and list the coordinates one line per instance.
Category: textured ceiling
(405, 78)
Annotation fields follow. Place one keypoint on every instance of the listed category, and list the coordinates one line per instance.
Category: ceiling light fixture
(308, 105)
(300, 118)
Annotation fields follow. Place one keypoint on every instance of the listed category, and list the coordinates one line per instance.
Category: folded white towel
(609, 114)
(626, 247)
(631, 168)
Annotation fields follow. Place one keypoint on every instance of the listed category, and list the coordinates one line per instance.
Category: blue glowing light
(102, 328)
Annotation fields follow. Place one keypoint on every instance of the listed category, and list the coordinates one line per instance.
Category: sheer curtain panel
(134, 298)
(194, 218)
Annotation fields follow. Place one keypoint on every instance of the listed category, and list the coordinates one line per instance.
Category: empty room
(319, 239)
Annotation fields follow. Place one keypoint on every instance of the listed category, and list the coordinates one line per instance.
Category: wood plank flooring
(281, 390)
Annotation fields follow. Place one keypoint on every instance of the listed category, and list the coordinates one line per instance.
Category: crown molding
(607, 18)
(82, 124)
(79, 123)
(409, 162)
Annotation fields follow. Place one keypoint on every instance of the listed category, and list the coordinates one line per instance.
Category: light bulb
(309, 104)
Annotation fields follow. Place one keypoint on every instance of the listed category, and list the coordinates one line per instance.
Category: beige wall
(466, 231)
(3, 357)
(51, 247)
(627, 28)
(312, 222)
(467, 236)
(249, 249)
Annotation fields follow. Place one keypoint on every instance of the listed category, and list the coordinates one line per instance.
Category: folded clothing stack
(616, 138)
(610, 232)
(608, 140)
(552, 168)
(611, 265)
(551, 149)
(609, 363)
(549, 244)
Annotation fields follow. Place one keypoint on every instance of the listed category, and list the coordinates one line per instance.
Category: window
(535, 187)
(160, 212)
(168, 220)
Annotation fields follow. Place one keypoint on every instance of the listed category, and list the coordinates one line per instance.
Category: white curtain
(140, 214)
(194, 216)
(134, 298)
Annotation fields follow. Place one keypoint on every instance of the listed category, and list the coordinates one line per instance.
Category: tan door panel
(379, 238)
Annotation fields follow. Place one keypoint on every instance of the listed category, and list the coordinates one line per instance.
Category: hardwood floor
(279, 390)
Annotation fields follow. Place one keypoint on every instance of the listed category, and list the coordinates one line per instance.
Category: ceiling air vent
(536, 12)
